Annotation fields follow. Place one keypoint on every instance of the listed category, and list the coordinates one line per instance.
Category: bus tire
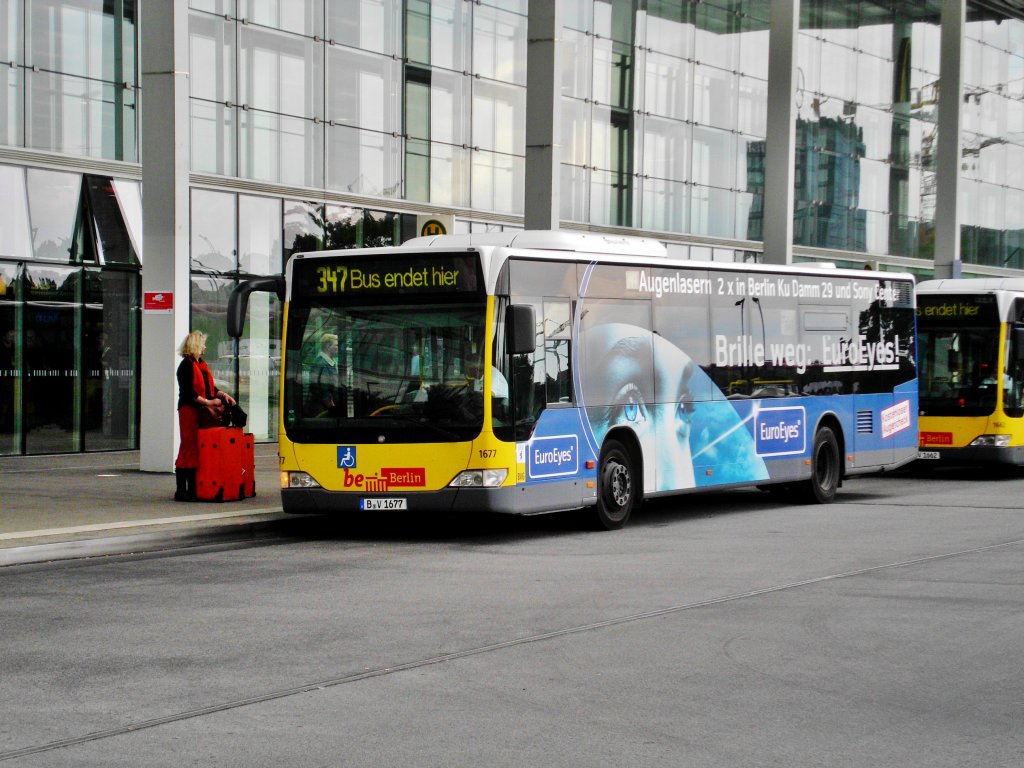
(825, 468)
(616, 487)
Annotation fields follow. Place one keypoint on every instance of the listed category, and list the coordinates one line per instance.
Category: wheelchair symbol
(346, 456)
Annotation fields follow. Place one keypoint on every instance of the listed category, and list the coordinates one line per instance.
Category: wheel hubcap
(619, 484)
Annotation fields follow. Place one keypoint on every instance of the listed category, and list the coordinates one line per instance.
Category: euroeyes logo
(346, 457)
(553, 456)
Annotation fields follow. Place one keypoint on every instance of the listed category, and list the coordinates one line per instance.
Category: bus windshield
(958, 371)
(398, 371)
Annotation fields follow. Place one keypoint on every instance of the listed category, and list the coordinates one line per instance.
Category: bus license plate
(377, 504)
(927, 454)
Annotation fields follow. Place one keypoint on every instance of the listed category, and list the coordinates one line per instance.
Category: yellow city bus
(971, 358)
(538, 371)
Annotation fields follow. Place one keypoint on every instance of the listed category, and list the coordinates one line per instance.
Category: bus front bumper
(513, 499)
(973, 454)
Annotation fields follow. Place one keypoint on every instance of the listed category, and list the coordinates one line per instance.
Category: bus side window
(557, 325)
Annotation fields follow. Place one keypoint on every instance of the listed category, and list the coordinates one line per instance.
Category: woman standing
(199, 404)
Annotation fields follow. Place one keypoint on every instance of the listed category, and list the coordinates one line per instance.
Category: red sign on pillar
(158, 301)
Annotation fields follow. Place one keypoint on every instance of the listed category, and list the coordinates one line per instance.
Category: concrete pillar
(780, 143)
(164, 151)
(949, 144)
(543, 117)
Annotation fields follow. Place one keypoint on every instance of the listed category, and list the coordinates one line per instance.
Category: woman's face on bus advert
(638, 380)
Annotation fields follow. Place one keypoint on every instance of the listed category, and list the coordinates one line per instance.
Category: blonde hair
(194, 345)
(328, 338)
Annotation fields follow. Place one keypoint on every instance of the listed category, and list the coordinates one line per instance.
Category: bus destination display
(315, 277)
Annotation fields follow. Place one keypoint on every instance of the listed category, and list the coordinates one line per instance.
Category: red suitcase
(248, 467)
(219, 477)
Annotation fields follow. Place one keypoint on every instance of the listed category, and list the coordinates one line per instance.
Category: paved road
(728, 630)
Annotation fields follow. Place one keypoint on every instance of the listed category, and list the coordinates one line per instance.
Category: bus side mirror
(238, 300)
(520, 329)
(1018, 342)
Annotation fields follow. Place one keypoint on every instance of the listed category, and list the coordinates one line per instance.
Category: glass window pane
(577, 64)
(576, 127)
(714, 97)
(364, 162)
(497, 182)
(259, 365)
(74, 38)
(343, 226)
(711, 211)
(213, 231)
(112, 240)
(752, 110)
(716, 43)
(209, 307)
(668, 86)
(110, 343)
(449, 107)
(372, 25)
(15, 234)
(305, 17)
(363, 90)
(449, 175)
(80, 117)
(51, 391)
(499, 45)
(499, 117)
(666, 152)
(259, 235)
(279, 148)
(12, 122)
(129, 198)
(212, 52)
(670, 27)
(220, 7)
(449, 34)
(11, 31)
(213, 137)
(10, 361)
(303, 227)
(665, 205)
(838, 70)
(280, 72)
(53, 200)
(714, 157)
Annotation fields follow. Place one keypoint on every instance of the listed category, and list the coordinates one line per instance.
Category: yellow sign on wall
(429, 226)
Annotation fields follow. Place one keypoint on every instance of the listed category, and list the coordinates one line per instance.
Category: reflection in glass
(15, 239)
(110, 341)
(303, 227)
(53, 199)
(10, 362)
(213, 137)
(209, 306)
(364, 162)
(259, 365)
(51, 385)
(11, 118)
(213, 231)
(259, 235)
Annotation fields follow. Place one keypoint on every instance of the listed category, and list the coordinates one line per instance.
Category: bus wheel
(825, 468)
(616, 489)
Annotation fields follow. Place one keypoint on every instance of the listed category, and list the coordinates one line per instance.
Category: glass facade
(69, 312)
(327, 124)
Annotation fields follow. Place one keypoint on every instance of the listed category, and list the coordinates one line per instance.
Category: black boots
(185, 480)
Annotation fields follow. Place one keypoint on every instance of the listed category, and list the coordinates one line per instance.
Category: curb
(179, 535)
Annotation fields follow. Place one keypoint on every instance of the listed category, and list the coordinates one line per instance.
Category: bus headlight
(479, 478)
(997, 441)
(298, 480)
